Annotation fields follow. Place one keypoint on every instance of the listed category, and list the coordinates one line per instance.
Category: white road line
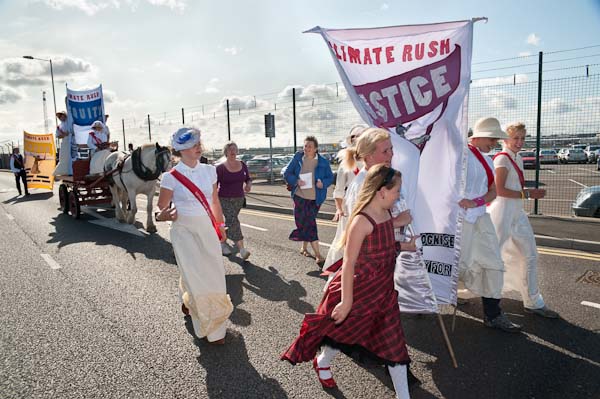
(10, 217)
(573, 181)
(325, 244)
(551, 171)
(253, 227)
(591, 304)
(589, 170)
(51, 262)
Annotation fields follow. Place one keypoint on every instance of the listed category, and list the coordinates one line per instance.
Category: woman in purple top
(234, 181)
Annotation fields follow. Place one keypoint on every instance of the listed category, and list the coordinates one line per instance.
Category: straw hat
(61, 113)
(488, 128)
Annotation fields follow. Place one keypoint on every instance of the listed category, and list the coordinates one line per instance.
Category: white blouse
(202, 175)
(477, 184)
(512, 179)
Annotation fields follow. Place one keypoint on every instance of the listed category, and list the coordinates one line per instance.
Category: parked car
(245, 157)
(578, 146)
(261, 168)
(591, 153)
(573, 155)
(598, 160)
(587, 202)
(548, 156)
(528, 158)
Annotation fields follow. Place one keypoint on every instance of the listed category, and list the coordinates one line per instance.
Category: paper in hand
(307, 179)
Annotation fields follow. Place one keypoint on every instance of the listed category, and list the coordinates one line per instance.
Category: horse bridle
(142, 171)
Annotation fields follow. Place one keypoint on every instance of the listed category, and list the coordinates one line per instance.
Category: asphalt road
(88, 311)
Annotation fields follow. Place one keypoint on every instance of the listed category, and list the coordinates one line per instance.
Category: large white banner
(414, 81)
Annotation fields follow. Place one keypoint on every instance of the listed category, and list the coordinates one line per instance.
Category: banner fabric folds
(40, 160)
(414, 81)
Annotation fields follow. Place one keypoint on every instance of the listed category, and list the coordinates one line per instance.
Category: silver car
(573, 155)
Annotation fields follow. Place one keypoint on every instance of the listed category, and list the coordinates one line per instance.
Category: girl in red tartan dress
(359, 312)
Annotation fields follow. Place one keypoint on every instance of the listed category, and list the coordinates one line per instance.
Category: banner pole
(447, 340)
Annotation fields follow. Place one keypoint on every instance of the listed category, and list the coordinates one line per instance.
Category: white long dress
(198, 253)
(516, 238)
(64, 166)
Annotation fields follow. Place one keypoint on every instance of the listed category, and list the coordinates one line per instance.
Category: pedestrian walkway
(562, 232)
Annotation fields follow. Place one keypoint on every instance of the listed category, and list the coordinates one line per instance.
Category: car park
(548, 156)
(573, 155)
(587, 203)
(528, 158)
(260, 168)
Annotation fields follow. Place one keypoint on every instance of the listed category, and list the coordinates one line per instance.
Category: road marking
(589, 170)
(591, 304)
(550, 171)
(253, 227)
(10, 217)
(582, 185)
(283, 217)
(51, 262)
(567, 254)
(112, 223)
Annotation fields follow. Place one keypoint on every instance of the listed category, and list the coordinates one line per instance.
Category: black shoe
(544, 312)
(27, 194)
(502, 322)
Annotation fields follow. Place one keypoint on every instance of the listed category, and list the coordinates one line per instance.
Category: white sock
(324, 360)
(400, 380)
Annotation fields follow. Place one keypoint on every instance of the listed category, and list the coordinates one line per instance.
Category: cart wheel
(63, 197)
(74, 205)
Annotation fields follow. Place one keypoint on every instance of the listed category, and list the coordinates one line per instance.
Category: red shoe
(328, 383)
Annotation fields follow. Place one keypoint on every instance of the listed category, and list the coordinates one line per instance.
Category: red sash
(96, 139)
(486, 166)
(356, 170)
(199, 196)
(517, 169)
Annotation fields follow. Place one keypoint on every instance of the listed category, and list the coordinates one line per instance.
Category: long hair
(377, 177)
(350, 141)
(365, 145)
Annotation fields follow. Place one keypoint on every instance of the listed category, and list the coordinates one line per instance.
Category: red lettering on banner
(389, 54)
(407, 53)
(419, 51)
(377, 51)
(432, 49)
(344, 53)
(406, 97)
(367, 59)
(354, 55)
(445, 47)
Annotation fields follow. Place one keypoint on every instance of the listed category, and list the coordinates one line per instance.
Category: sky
(157, 56)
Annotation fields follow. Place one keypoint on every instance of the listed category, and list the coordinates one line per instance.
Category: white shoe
(244, 253)
(225, 250)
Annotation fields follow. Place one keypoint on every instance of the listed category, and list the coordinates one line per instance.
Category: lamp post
(51, 77)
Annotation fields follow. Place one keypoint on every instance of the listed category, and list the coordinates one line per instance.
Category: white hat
(97, 124)
(185, 138)
(488, 128)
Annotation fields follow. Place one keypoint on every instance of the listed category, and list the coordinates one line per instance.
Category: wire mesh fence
(569, 105)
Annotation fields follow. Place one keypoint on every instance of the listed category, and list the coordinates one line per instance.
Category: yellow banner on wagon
(40, 159)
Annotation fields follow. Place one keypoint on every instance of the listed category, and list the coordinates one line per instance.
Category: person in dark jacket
(309, 175)
(17, 166)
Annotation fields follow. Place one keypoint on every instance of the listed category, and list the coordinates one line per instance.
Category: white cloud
(500, 99)
(9, 95)
(91, 7)
(211, 87)
(557, 106)
(19, 72)
(533, 39)
(384, 6)
(524, 53)
(311, 91)
(232, 50)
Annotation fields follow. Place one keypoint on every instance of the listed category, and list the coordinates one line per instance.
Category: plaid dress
(372, 332)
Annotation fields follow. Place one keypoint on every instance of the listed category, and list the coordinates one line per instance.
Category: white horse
(134, 174)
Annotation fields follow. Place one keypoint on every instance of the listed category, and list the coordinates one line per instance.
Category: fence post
(149, 132)
(538, 132)
(294, 114)
(124, 142)
(182, 116)
(228, 123)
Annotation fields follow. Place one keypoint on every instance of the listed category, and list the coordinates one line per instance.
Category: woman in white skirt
(64, 166)
(196, 232)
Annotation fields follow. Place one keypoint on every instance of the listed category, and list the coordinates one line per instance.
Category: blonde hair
(228, 145)
(374, 181)
(515, 127)
(365, 145)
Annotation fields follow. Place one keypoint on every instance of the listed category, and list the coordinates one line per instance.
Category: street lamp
(52, 77)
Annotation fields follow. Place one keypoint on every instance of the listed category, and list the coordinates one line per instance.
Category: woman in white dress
(196, 232)
(64, 166)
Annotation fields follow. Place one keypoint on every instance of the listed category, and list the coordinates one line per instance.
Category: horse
(133, 174)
